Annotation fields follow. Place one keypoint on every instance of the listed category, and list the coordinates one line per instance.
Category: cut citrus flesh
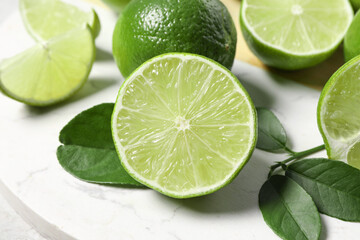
(50, 71)
(339, 113)
(45, 19)
(294, 34)
(183, 125)
(298, 26)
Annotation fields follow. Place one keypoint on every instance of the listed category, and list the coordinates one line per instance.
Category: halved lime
(45, 19)
(183, 125)
(50, 71)
(352, 39)
(294, 34)
(339, 114)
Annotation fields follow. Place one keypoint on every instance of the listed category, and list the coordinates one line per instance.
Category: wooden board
(314, 77)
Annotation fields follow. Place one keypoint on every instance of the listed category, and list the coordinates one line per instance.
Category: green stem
(296, 156)
(289, 151)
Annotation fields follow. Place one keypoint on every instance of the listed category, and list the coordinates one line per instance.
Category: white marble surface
(62, 207)
(12, 226)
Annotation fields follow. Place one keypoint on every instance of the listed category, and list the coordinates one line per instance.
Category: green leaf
(88, 152)
(289, 210)
(333, 185)
(91, 128)
(271, 134)
(94, 165)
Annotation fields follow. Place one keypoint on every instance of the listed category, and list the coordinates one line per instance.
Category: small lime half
(339, 114)
(183, 125)
(294, 34)
(50, 71)
(45, 19)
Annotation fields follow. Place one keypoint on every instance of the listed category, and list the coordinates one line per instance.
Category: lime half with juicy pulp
(294, 34)
(339, 114)
(50, 71)
(45, 19)
(183, 125)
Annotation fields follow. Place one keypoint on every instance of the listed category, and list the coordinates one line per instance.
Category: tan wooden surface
(314, 77)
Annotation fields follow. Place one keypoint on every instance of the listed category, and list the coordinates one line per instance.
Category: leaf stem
(289, 150)
(295, 156)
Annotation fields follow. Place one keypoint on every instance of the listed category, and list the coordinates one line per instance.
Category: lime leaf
(94, 165)
(333, 185)
(88, 152)
(271, 134)
(289, 210)
(91, 128)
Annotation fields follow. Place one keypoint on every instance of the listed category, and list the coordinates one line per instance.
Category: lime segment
(353, 156)
(294, 34)
(50, 71)
(183, 125)
(45, 19)
(339, 112)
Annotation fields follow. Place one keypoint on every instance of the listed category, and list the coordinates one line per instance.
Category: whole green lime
(352, 39)
(117, 5)
(146, 29)
(355, 4)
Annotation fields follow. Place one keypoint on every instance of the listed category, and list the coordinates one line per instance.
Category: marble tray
(62, 207)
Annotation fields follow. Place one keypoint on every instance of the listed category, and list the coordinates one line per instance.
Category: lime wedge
(50, 71)
(45, 19)
(339, 114)
(294, 34)
(183, 125)
(352, 39)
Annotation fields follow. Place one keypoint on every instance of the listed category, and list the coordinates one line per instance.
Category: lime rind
(27, 56)
(198, 191)
(330, 143)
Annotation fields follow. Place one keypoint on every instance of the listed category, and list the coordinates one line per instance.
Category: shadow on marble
(238, 197)
(317, 76)
(103, 55)
(324, 233)
(91, 87)
(260, 97)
